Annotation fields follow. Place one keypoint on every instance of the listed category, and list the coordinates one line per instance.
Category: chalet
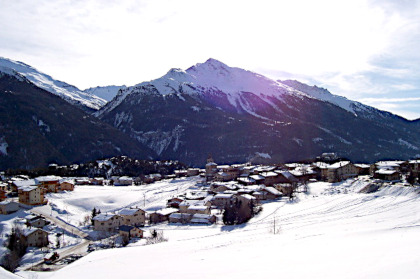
(246, 180)
(196, 195)
(340, 171)
(36, 221)
(270, 178)
(49, 183)
(198, 208)
(174, 202)
(203, 219)
(303, 173)
(270, 193)
(285, 189)
(180, 173)
(8, 207)
(107, 222)
(15, 184)
(130, 231)
(222, 187)
(32, 195)
(286, 177)
(35, 237)
(321, 168)
(82, 181)
(180, 218)
(258, 178)
(387, 174)
(223, 176)
(362, 169)
(133, 216)
(66, 186)
(123, 181)
(222, 200)
(414, 166)
(247, 199)
(161, 215)
(193, 172)
(96, 181)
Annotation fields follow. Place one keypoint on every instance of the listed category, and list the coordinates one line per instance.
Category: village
(216, 195)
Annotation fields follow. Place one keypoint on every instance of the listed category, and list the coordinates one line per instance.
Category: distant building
(107, 222)
(49, 183)
(341, 171)
(130, 231)
(8, 207)
(133, 216)
(35, 237)
(31, 195)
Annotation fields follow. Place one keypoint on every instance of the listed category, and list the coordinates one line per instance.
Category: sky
(365, 50)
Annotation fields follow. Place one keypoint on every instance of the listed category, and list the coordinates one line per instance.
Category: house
(123, 181)
(161, 215)
(36, 221)
(107, 222)
(286, 177)
(222, 187)
(193, 172)
(222, 200)
(304, 173)
(180, 173)
(130, 231)
(247, 199)
(414, 166)
(340, 171)
(203, 219)
(66, 186)
(211, 169)
(270, 193)
(35, 237)
(362, 169)
(387, 174)
(245, 180)
(270, 178)
(32, 195)
(285, 189)
(7, 207)
(133, 216)
(258, 178)
(82, 181)
(180, 218)
(15, 184)
(321, 168)
(174, 202)
(223, 176)
(96, 181)
(49, 183)
(198, 208)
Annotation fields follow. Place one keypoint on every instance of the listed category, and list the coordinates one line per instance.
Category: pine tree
(94, 213)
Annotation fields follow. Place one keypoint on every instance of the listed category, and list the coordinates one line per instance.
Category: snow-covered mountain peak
(66, 91)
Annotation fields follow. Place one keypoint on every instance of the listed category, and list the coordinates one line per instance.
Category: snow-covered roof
(363, 166)
(247, 196)
(339, 164)
(21, 183)
(211, 164)
(48, 178)
(223, 196)
(28, 188)
(178, 215)
(394, 164)
(269, 174)
(246, 179)
(321, 165)
(129, 211)
(288, 175)
(103, 217)
(257, 177)
(202, 216)
(272, 190)
(198, 207)
(167, 211)
(29, 231)
(385, 171)
(414, 162)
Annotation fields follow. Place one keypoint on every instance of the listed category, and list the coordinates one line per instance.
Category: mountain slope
(70, 93)
(38, 128)
(105, 92)
(237, 114)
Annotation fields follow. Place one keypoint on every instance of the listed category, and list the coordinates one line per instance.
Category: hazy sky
(364, 50)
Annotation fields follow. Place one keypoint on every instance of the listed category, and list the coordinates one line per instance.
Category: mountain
(105, 92)
(70, 93)
(238, 115)
(38, 128)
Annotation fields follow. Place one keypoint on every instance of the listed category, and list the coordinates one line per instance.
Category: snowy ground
(330, 232)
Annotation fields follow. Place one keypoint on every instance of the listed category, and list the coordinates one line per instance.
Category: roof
(321, 165)
(385, 171)
(246, 179)
(223, 196)
(125, 228)
(129, 211)
(288, 175)
(211, 164)
(257, 177)
(414, 162)
(21, 183)
(247, 196)
(198, 207)
(363, 166)
(272, 190)
(103, 217)
(339, 164)
(48, 178)
(178, 215)
(167, 211)
(29, 231)
(28, 188)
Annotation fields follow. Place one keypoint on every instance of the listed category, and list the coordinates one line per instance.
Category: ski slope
(330, 232)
